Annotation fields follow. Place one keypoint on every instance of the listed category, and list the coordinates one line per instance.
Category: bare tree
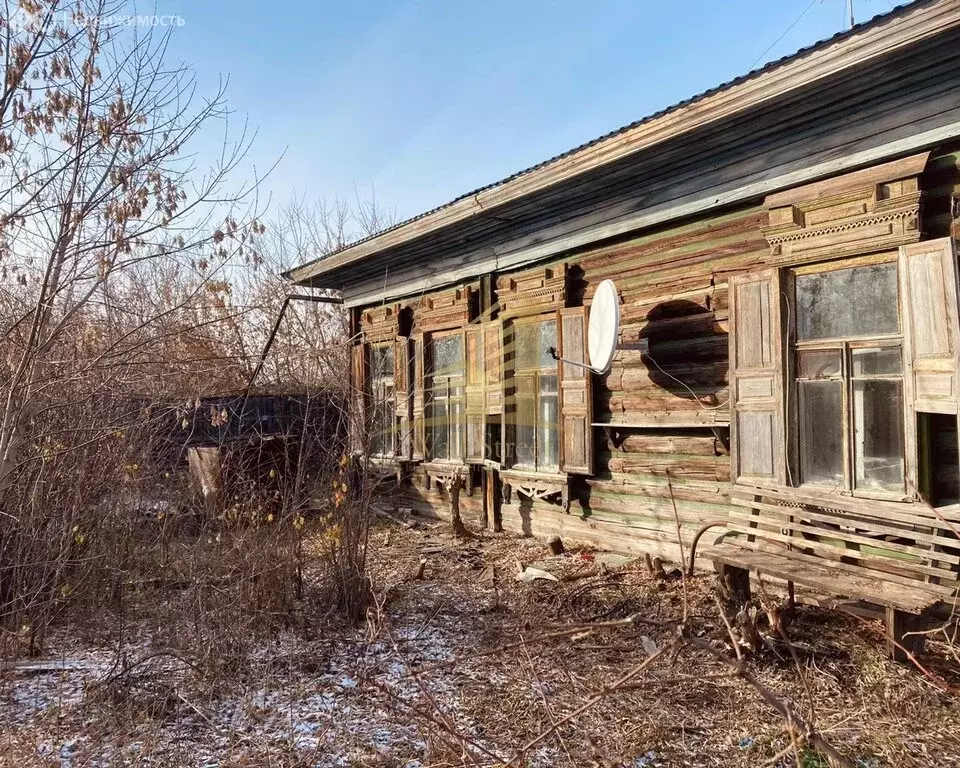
(95, 182)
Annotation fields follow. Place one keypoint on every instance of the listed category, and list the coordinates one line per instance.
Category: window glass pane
(860, 301)
(818, 363)
(878, 434)
(381, 361)
(549, 449)
(821, 440)
(532, 344)
(526, 431)
(383, 421)
(448, 355)
(438, 430)
(884, 361)
(526, 338)
(548, 339)
(456, 420)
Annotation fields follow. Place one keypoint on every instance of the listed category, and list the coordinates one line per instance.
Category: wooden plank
(859, 522)
(832, 551)
(896, 169)
(848, 569)
(913, 599)
(908, 512)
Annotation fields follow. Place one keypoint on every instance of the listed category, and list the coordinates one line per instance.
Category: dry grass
(453, 669)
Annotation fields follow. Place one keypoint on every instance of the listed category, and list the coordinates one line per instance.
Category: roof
(900, 26)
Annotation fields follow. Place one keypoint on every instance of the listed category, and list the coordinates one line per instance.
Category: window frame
(536, 374)
(457, 429)
(845, 346)
(385, 381)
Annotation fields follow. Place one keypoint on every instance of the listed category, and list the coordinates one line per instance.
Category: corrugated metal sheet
(897, 99)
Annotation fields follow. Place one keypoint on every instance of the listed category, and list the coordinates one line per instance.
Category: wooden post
(492, 500)
(207, 472)
(736, 581)
(898, 624)
(456, 485)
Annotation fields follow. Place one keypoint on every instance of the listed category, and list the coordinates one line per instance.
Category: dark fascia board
(872, 40)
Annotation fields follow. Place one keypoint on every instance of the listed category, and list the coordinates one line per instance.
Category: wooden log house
(784, 251)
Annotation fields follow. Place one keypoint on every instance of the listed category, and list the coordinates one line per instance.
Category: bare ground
(456, 669)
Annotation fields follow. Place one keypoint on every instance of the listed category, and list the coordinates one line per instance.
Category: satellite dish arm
(555, 356)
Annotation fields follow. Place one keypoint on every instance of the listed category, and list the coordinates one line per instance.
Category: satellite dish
(604, 329)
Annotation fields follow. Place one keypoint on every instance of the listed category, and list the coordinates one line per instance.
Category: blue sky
(423, 100)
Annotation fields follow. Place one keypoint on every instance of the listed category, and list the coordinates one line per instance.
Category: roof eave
(872, 40)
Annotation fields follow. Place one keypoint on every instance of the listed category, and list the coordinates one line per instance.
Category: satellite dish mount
(603, 330)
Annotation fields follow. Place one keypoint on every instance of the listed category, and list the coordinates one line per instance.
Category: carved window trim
(868, 211)
(436, 315)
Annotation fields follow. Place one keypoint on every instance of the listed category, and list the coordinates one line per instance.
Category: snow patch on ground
(348, 712)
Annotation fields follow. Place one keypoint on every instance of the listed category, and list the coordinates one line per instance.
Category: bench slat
(910, 512)
(872, 566)
(771, 548)
(860, 522)
(824, 578)
(923, 553)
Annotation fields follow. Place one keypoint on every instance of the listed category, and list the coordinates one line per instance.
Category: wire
(785, 33)
(682, 384)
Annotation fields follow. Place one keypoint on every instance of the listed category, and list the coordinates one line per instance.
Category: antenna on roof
(850, 8)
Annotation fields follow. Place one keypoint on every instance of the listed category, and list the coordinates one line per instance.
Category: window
(445, 403)
(536, 391)
(849, 377)
(383, 404)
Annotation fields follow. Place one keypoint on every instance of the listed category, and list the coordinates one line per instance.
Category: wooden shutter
(475, 411)
(756, 378)
(928, 279)
(508, 399)
(401, 390)
(358, 383)
(576, 394)
(493, 366)
(418, 401)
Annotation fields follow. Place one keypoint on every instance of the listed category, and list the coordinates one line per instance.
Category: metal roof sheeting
(858, 28)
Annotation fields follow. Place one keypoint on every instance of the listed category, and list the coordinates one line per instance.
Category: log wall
(665, 457)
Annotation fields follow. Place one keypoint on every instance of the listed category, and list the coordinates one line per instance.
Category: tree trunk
(456, 485)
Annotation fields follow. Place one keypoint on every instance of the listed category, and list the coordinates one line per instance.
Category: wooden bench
(904, 557)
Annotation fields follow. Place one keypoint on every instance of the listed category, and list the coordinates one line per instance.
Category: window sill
(519, 474)
(828, 492)
(812, 494)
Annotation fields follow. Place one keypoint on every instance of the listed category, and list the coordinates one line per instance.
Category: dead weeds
(459, 663)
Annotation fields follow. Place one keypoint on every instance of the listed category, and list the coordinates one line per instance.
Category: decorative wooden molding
(380, 323)
(532, 292)
(443, 474)
(536, 487)
(863, 212)
(446, 309)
